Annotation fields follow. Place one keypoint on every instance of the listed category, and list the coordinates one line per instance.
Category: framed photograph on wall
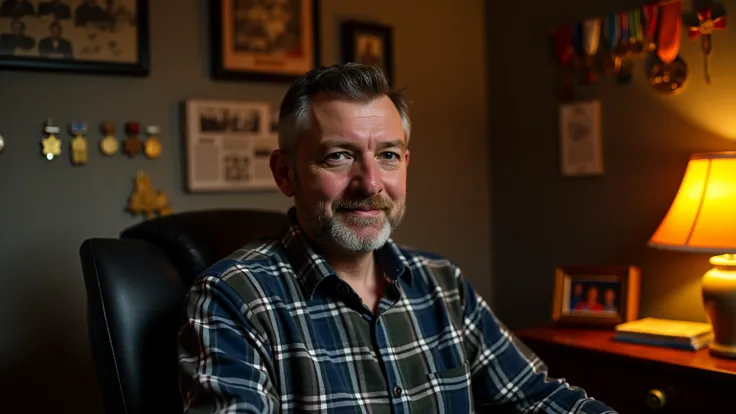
(369, 43)
(84, 36)
(581, 147)
(596, 295)
(269, 41)
(228, 146)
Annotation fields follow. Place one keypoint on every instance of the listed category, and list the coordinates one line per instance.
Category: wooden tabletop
(602, 341)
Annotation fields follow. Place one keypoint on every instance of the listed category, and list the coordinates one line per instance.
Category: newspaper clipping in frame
(228, 145)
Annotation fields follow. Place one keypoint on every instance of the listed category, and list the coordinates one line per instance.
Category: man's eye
(390, 155)
(336, 156)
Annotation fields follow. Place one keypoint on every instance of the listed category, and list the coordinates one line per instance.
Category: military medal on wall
(109, 145)
(133, 144)
(2, 143)
(79, 147)
(51, 145)
(670, 72)
(704, 29)
(152, 146)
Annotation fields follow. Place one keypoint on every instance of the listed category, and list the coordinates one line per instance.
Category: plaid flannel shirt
(272, 328)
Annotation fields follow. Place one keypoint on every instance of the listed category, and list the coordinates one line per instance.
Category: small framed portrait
(84, 36)
(264, 40)
(369, 43)
(228, 146)
(596, 295)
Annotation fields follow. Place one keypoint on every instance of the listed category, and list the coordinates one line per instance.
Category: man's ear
(406, 156)
(282, 174)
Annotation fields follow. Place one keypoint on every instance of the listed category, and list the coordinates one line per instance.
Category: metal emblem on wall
(93, 36)
(264, 40)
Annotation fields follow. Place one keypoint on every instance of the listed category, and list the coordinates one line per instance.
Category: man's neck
(355, 268)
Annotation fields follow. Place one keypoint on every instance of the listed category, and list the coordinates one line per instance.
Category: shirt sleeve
(223, 361)
(506, 376)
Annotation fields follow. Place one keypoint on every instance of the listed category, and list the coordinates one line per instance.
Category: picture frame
(247, 47)
(601, 296)
(74, 36)
(228, 145)
(368, 43)
(581, 147)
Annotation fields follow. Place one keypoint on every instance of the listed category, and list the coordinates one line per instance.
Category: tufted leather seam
(107, 328)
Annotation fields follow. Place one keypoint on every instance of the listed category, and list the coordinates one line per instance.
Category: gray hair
(346, 81)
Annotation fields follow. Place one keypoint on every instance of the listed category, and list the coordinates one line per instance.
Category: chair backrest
(135, 288)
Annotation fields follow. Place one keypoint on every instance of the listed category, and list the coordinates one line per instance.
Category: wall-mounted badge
(146, 200)
(2, 143)
(79, 147)
(152, 146)
(109, 145)
(51, 145)
(133, 143)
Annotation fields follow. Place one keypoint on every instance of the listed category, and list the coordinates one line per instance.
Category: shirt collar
(312, 269)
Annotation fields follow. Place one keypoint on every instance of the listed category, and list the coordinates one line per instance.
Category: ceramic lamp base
(719, 299)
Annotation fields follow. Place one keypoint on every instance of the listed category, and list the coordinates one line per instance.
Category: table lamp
(702, 219)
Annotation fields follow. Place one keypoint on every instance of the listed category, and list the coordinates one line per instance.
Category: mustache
(373, 203)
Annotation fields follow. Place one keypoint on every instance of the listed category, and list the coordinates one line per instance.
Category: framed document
(228, 146)
(581, 148)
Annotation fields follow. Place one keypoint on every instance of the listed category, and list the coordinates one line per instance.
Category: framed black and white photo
(368, 43)
(83, 36)
(228, 146)
(264, 40)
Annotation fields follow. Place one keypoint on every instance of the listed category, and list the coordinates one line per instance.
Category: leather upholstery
(135, 287)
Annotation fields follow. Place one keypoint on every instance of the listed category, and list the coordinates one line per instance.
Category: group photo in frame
(596, 295)
(84, 36)
(369, 43)
(228, 145)
(263, 40)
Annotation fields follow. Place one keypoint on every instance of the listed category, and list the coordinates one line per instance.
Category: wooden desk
(636, 378)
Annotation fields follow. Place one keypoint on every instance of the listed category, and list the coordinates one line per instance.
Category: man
(332, 315)
(17, 41)
(55, 8)
(55, 46)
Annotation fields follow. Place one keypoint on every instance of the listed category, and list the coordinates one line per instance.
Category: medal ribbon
(670, 25)
(563, 44)
(623, 21)
(650, 12)
(591, 36)
(614, 34)
(635, 32)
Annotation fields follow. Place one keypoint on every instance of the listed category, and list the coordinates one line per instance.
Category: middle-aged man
(332, 315)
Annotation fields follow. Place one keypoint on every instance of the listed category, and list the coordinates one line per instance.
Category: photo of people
(229, 119)
(370, 50)
(81, 30)
(593, 297)
(267, 26)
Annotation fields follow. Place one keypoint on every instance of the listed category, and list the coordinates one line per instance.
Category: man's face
(349, 177)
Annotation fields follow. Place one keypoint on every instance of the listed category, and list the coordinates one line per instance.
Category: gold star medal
(152, 146)
(109, 145)
(79, 147)
(51, 146)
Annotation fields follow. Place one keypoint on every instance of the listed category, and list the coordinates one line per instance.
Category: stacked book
(665, 332)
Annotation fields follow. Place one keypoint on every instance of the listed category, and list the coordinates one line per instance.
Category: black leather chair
(135, 288)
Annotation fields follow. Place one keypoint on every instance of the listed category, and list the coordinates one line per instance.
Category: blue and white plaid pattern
(273, 329)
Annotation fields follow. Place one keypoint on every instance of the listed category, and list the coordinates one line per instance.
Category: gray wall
(49, 208)
(542, 219)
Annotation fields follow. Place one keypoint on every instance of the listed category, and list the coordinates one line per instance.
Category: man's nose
(367, 177)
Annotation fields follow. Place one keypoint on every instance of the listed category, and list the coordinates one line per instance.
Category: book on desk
(668, 333)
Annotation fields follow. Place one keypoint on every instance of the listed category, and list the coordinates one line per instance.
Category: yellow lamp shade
(702, 217)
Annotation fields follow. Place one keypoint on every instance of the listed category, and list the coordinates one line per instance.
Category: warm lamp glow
(702, 217)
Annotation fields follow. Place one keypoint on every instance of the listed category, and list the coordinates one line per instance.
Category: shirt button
(398, 391)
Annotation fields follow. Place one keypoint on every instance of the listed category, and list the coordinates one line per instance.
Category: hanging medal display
(669, 73)
(133, 143)
(705, 28)
(50, 145)
(564, 56)
(590, 40)
(625, 71)
(109, 145)
(78, 145)
(152, 146)
(649, 18)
